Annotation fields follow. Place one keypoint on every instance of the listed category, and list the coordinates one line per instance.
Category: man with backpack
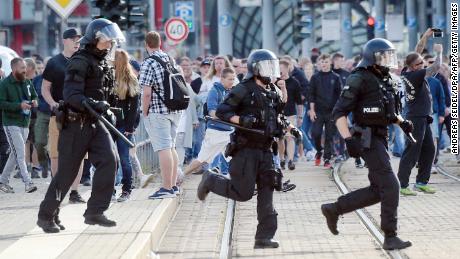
(163, 99)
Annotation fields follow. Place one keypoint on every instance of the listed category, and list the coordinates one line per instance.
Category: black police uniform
(83, 134)
(252, 160)
(371, 98)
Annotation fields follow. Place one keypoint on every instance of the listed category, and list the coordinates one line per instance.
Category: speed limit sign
(176, 29)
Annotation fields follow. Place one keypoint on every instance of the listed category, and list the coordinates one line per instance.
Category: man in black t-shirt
(418, 109)
(52, 92)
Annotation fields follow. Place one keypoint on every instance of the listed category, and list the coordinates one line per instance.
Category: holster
(118, 113)
(364, 133)
(232, 146)
(61, 115)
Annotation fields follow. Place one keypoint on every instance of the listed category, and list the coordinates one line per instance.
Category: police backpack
(176, 96)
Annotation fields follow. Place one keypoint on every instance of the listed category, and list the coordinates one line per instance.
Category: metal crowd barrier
(147, 157)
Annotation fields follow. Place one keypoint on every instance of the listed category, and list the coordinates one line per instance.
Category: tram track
(444, 172)
(363, 216)
(227, 236)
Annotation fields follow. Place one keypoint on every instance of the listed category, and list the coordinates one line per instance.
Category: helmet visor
(111, 32)
(268, 68)
(386, 58)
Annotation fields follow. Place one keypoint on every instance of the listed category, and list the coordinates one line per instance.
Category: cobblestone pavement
(430, 221)
(302, 229)
(196, 230)
(18, 211)
(19, 214)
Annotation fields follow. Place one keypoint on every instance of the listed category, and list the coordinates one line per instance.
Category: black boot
(48, 226)
(34, 174)
(394, 242)
(266, 243)
(99, 219)
(75, 197)
(203, 189)
(291, 165)
(45, 172)
(329, 211)
(58, 221)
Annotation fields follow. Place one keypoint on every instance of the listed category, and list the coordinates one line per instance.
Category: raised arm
(422, 42)
(434, 68)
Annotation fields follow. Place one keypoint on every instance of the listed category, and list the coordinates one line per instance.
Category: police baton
(411, 138)
(234, 125)
(108, 124)
(408, 134)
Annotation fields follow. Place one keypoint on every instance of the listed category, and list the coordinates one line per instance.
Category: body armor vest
(377, 103)
(266, 107)
(99, 79)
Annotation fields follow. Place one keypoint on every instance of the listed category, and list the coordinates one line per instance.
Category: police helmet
(102, 29)
(379, 52)
(263, 63)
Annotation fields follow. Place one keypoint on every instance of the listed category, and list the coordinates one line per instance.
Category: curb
(148, 239)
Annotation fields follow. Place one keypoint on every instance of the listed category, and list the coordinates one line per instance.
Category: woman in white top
(214, 73)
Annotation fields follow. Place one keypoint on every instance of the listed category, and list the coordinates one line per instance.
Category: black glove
(407, 126)
(429, 119)
(99, 106)
(248, 121)
(354, 147)
(297, 134)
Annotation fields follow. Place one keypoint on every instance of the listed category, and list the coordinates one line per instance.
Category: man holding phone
(17, 97)
(418, 109)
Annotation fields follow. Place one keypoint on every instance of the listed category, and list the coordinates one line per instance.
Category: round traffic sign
(176, 29)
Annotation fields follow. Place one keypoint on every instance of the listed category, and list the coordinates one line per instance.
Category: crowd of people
(194, 139)
(312, 85)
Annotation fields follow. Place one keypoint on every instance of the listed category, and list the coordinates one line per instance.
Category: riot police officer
(82, 134)
(253, 104)
(370, 94)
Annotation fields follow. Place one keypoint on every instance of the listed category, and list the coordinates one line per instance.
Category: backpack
(176, 96)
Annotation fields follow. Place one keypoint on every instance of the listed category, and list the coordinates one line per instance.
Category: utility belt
(238, 142)
(366, 133)
(78, 117)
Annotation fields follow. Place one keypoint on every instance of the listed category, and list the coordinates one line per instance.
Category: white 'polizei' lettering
(371, 110)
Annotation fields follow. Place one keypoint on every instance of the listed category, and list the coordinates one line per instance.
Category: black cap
(71, 33)
(205, 62)
(135, 65)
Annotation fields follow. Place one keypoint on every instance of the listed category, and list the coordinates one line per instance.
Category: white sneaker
(30, 188)
(310, 155)
(6, 188)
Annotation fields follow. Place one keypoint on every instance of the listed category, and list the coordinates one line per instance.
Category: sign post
(176, 29)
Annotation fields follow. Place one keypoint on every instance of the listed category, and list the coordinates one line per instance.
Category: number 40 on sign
(176, 29)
